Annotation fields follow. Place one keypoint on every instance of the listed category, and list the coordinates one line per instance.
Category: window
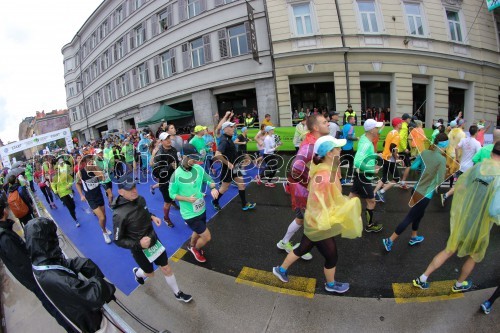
(415, 20)
(138, 3)
(119, 50)
(89, 108)
(165, 19)
(118, 15)
(193, 7)
(238, 40)
(454, 25)
(94, 72)
(143, 75)
(368, 16)
(110, 93)
(97, 101)
(78, 84)
(71, 91)
(86, 77)
(93, 41)
(497, 20)
(197, 57)
(81, 108)
(105, 61)
(74, 114)
(168, 63)
(140, 35)
(104, 29)
(124, 85)
(302, 19)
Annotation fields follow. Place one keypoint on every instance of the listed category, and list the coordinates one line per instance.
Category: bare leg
(466, 269)
(329, 274)
(289, 260)
(437, 262)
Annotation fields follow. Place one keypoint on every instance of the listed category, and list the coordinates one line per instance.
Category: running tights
(327, 248)
(47, 193)
(494, 296)
(68, 201)
(414, 216)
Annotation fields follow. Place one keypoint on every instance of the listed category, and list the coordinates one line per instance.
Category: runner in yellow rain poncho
(475, 207)
(328, 214)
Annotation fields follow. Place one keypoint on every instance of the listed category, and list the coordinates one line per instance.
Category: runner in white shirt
(469, 147)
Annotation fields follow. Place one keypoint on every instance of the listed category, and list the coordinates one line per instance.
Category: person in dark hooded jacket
(23, 193)
(78, 300)
(16, 258)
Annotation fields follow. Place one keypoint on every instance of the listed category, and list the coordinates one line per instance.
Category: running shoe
(198, 254)
(168, 222)
(403, 186)
(108, 232)
(106, 238)
(377, 198)
(77, 224)
(420, 284)
(270, 185)
(416, 240)
(374, 228)
(337, 287)
(283, 276)
(216, 205)
(387, 244)
(258, 180)
(443, 199)
(486, 307)
(381, 196)
(307, 256)
(180, 296)
(466, 285)
(152, 190)
(288, 247)
(138, 279)
(249, 206)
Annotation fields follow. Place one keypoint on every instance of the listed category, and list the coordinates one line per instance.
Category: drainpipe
(81, 82)
(272, 57)
(346, 62)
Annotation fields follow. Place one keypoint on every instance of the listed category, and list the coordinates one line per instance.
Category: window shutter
(203, 6)
(104, 95)
(156, 67)
(102, 63)
(182, 10)
(125, 45)
(207, 52)
(146, 70)
(135, 79)
(249, 37)
(143, 32)
(115, 52)
(127, 82)
(172, 60)
(113, 93)
(186, 56)
(219, 3)
(111, 22)
(131, 36)
(222, 43)
(154, 25)
(118, 88)
(170, 21)
(110, 56)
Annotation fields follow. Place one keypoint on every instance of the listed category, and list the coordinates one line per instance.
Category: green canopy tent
(166, 113)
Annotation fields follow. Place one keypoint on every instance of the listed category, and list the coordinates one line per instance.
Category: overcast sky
(32, 34)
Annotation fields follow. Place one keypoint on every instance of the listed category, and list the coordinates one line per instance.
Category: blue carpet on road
(115, 262)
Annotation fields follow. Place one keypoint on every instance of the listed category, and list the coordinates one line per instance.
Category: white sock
(140, 273)
(292, 229)
(172, 283)
(423, 278)
(458, 284)
(402, 182)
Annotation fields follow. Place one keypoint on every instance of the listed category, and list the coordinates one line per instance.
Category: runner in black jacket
(79, 300)
(16, 258)
(132, 229)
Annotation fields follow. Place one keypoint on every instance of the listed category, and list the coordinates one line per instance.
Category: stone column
(284, 103)
(341, 97)
(401, 94)
(204, 107)
(265, 91)
(439, 85)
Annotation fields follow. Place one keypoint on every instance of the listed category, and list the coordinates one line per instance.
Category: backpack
(17, 205)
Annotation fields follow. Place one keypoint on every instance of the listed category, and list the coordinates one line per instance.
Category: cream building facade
(131, 57)
(439, 56)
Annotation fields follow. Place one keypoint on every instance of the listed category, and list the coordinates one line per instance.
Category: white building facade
(130, 57)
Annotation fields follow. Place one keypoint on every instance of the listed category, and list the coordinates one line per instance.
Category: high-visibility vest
(347, 114)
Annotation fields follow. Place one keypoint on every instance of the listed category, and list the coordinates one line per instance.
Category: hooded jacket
(79, 300)
(131, 222)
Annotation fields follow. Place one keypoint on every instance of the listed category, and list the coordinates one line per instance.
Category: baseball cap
(396, 121)
(227, 124)
(98, 150)
(371, 124)
(333, 113)
(199, 128)
(326, 143)
(405, 116)
(269, 128)
(163, 136)
(453, 123)
(244, 129)
(126, 182)
(438, 124)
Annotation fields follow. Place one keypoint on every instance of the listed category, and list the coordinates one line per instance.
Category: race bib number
(154, 251)
(199, 205)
